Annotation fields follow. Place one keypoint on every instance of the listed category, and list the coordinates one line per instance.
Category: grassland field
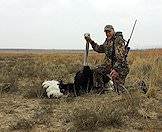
(24, 107)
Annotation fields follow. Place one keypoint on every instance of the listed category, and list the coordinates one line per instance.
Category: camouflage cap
(108, 28)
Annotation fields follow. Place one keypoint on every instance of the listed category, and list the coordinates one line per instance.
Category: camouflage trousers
(101, 75)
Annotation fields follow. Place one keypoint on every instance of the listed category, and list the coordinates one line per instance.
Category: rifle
(127, 48)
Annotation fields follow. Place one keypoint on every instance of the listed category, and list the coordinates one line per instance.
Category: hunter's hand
(114, 74)
(87, 37)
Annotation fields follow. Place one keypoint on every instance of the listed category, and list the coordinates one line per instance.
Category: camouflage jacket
(118, 58)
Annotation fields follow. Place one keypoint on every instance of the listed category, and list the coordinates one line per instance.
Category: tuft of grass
(22, 124)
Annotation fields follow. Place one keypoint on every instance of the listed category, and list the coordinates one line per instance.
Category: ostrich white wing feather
(46, 84)
(54, 93)
(52, 88)
(49, 94)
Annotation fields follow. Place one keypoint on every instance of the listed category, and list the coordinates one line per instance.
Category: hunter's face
(109, 34)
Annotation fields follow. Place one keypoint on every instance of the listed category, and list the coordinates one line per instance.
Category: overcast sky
(60, 24)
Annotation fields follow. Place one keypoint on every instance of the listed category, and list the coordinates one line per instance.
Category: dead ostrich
(83, 82)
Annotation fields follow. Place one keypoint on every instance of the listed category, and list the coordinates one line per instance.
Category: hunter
(115, 62)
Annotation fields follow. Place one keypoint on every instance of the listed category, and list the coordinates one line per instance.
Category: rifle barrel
(133, 28)
(131, 33)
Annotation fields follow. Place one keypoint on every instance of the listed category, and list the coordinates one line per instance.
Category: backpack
(127, 48)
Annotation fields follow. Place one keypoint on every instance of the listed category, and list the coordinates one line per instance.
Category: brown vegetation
(24, 107)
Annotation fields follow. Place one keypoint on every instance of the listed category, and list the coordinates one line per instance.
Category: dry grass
(24, 106)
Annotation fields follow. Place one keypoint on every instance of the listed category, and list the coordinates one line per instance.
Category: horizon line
(67, 49)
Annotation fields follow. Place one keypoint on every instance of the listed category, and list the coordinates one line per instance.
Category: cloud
(61, 24)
